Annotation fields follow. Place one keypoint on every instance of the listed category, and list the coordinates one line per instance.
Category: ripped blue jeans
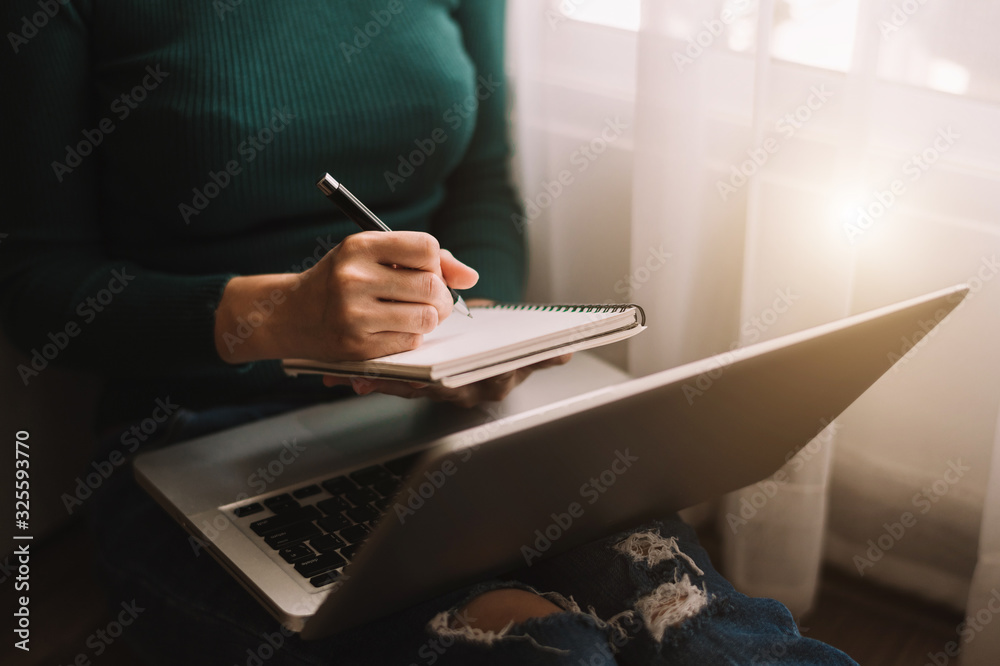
(644, 596)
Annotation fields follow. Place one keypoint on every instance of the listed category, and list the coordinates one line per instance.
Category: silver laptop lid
(499, 495)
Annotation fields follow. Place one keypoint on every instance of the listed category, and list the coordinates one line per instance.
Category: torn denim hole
(456, 625)
(670, 605)
(619, 635)
(652, 549)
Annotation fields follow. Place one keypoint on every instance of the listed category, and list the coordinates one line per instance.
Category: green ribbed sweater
(158, 148)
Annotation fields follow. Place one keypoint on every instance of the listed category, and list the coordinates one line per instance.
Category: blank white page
(495, 334)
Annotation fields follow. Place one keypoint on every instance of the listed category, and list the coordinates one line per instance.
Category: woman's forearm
(252, 320)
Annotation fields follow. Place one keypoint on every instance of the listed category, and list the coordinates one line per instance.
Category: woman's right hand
(357, 302)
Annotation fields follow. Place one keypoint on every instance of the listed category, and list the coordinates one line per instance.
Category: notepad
(497, 339)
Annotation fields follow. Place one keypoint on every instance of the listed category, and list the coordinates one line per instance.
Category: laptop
(338, 514)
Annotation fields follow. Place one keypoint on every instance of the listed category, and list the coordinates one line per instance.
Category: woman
(165, 220)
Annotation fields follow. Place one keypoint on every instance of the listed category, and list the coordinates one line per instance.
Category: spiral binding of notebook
(572, 307)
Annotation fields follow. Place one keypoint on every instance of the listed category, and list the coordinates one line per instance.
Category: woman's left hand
(488, 390)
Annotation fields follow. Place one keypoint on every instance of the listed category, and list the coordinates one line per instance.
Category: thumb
(455, 273)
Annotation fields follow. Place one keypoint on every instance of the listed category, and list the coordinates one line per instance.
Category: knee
(494, 610)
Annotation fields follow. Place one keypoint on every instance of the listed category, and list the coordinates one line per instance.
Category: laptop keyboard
(318, 528)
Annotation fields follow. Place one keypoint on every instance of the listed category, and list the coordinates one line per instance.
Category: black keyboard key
(355, 533)
(369, 475)
(293, 554)
(281, 503)
(327, 543)
(325, 579)
(280, 521)
(363, 513)
(334, 523)
(248, 510)
(361, 496)
(382, 504)
(400, 466)
(320, 564)
(350, 551)
(386, 488)
(333, 505)
(283, 520)
(308, 491)
(291, 534)
(283, 498)
(338, 485)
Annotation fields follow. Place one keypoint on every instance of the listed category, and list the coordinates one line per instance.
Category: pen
(368, 221)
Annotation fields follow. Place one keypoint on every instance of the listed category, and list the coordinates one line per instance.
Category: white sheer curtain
(744, 169)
